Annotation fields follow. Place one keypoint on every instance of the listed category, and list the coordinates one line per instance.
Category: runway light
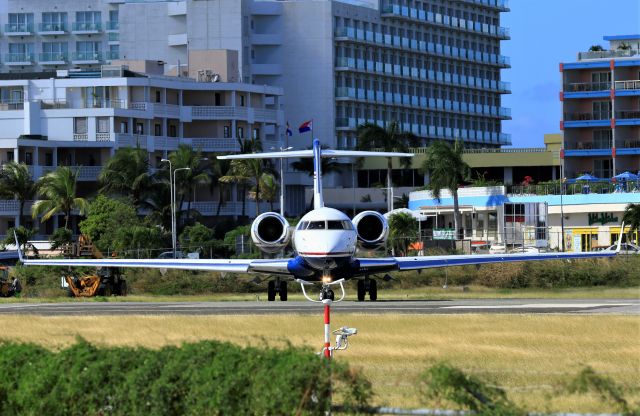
(326, 279)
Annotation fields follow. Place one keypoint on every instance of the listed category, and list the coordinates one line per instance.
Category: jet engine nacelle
(270, 232)
(372, 229)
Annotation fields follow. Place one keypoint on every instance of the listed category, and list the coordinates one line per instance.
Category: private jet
(324, 242)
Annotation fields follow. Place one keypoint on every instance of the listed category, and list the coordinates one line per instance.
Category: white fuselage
(324, 238)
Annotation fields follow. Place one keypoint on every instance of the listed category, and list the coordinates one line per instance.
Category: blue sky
(543, 34)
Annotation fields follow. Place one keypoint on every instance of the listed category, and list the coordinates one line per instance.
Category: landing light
(326, 279)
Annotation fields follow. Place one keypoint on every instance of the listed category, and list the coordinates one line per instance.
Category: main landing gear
(276, 287)
(367, 285)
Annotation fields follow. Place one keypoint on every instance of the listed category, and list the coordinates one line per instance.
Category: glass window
(102, 124)
(302, 225)
(316, 225)
(80, 125)
(334, 225)
(347, 225)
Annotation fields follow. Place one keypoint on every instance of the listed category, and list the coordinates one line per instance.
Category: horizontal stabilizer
(309, 153)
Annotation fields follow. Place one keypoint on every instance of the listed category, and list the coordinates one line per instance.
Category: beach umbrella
(626, 176)
(586, 178)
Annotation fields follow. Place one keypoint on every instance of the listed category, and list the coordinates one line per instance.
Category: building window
(157, 96)
(54, 51)
(173, 131)
(139, 128)
(28, 158)
(10, 156)
(242, 101)
(226, 132)
(54, 22)
(88, 20)
(80, 125)
(157, 130)
(256, 134)
(240, 132)
(102, 124)
(20, 22)
(124, 127)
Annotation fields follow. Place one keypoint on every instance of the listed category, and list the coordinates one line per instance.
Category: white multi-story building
(80, 119)
(434, 66)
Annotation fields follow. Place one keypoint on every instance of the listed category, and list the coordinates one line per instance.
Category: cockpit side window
(316, 225)
(303, 225)
(347, 225)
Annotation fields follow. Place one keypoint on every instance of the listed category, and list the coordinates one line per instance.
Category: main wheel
(361, 291)
(373, 290)
(283, 291)
(271, 291)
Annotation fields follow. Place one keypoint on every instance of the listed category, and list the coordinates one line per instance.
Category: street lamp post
(173, 230)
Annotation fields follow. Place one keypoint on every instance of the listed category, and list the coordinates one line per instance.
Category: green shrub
(203, 378)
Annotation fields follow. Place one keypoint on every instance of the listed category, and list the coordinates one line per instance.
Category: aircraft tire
(271, 291)
(373, 290)
(283, 291)
(361, 291)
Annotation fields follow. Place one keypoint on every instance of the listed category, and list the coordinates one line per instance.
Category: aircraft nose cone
(334, 243)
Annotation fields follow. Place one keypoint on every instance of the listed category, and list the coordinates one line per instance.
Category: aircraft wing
(373, 265)
(275, 266)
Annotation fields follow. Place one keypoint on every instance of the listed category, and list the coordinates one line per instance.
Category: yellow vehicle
(106, 282)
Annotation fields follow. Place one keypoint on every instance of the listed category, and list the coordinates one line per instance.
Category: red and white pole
(327, 330)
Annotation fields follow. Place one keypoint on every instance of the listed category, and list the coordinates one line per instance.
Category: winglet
(18, 247)
(620, 238)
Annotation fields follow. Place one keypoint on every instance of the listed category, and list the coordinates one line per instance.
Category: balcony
(447, 21)
(85, 173)
(587, 89)
(18, 59)
(607, 54)
(207, 144)
(52, 29)
(18, 29)
(112, 26)
(628, 117)
(266, 69)
(11, 105)
(266, 39)
(179, 39)
(85, 28)
(53, 58)
(177, 8)
(86, 57)
(627, 85)
(113, 38)
(111, 55)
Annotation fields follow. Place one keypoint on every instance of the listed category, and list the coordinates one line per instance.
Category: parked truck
(106, 281)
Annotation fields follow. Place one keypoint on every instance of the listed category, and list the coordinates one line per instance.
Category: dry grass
(527, 354)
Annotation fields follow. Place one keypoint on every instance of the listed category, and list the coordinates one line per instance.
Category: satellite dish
(216, 78)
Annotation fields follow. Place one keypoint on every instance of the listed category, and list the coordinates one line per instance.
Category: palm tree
(392, 139)
(16, 183)
(242, 171)
(58, 192)
(631, 216)
(403, 227)
(447, 170)
(127, 173)
(252, 169)
(268, 189)
(219, 169)
(186, 181)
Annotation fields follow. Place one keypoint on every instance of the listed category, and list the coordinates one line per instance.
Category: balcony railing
(629, 143)
(113, 37)
(52, 27)
(11, 105)
(87, 27)
(626, 114)
(588, 86)
(587, 145)
(628, 85)
(597, 115)
(113, 55)
(18, 57)
(620, 53)
(86, 56)
(54, 57)
(18, 28)
(113, 25)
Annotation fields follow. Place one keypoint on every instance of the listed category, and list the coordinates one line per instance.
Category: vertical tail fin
(620, 238)
(20, 256)
(318, 202)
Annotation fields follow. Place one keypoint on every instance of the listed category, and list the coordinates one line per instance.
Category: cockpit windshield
(326, 225)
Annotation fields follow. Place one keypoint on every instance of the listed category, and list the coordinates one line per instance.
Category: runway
(468, 306)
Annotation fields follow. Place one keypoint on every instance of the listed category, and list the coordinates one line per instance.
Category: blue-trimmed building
(601, 110)
(537, 216)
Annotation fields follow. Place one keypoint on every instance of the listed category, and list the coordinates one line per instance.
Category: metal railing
(86, 56)
(86, 27)
(597, 115)
(626, 114)
(18, 28)
(18, 57)
(587, 86)
(587, 145)
(54, 57)
(507, 150)
(620, 53)
(628, 85)
(52, 27)
(604, 187)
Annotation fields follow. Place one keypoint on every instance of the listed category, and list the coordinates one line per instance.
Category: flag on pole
(306, 126)
(289, 132)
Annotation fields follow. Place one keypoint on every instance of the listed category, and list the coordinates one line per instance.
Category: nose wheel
(370, 286)
(327, 293)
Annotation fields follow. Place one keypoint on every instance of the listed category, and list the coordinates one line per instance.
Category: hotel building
(601, 110)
